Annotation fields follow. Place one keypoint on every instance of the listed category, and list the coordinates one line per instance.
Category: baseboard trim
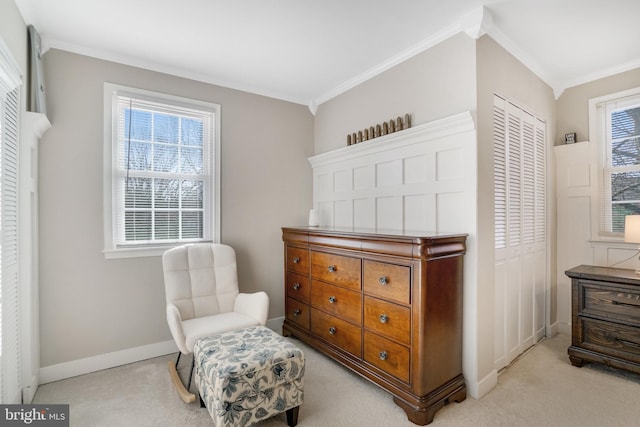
(478, 389)
(275, 324)
(29, 390)
(564, 328)
(87, 365)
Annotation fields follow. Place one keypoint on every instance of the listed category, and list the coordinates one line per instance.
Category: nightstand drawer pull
(296, 260)
(332, 269)
(626, 304)
(332, 299)
(296, 286)
(384, 318)
(628, 343)
(383, 281)
(297, 313)
(332, 330)
(383, 355)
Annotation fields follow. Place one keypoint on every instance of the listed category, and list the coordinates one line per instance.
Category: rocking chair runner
(201, 287)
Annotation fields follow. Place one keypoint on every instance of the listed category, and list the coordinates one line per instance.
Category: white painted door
(520, 230)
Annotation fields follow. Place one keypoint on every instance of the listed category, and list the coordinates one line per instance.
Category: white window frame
(599, 134)
(111, 248)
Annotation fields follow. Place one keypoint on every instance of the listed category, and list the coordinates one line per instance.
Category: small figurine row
(379, 130)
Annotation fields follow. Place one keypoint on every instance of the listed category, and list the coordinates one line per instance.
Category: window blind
(163, 172)
(619, 190)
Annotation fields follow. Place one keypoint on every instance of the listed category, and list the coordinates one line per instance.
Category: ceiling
(308, 51)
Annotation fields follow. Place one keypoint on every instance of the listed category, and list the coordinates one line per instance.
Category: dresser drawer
(337, 269)
(298, 286)
(336, 331)
(391, 357)
(387, 281)
(388, 319)
(621, 303)
(298, 312)
(298, 260)
(337, 301)
(612, 339)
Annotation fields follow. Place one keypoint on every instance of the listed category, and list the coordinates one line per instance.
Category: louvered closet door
(520, 230)
(10, 390)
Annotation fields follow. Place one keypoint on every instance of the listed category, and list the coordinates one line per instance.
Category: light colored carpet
(539, 389)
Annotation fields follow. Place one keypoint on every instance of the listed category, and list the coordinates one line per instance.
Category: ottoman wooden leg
(292, 416)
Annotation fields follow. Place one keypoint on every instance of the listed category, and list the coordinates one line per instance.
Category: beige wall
(92, 306)
(13, 32)
(434, 84)
(499, 72)
(573, 104)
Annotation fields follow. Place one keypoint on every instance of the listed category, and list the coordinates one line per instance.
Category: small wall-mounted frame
(569, 138)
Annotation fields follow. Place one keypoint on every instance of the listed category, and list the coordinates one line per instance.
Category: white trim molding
(87, 365)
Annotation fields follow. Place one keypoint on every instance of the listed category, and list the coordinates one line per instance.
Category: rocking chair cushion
(200, 327)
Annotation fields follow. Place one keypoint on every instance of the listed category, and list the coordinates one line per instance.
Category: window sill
(620, 243)
(136, 252)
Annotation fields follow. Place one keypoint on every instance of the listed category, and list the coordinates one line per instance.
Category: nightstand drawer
(387, 281)
(336, 269)
(388, 319)
(337, 332)
(612, 339)
(386, 355)
(614, 301)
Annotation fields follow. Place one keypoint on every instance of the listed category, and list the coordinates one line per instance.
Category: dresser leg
(576, 361)
(459, 396)
(420, 417)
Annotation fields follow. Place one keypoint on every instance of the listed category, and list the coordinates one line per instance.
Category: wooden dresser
(386, 306)
(605, 317)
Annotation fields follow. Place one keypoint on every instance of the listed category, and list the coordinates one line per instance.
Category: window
(161, 177)
(618, 133)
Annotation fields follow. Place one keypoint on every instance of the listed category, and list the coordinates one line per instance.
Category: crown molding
(632, 65)
(477, 22)
(404, 55)
(160, 68)
(510, 46)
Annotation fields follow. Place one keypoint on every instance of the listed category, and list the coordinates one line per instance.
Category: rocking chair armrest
(255, 305)
(175, 326)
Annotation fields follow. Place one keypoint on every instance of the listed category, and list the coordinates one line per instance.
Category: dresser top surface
(373, 233)
(607, 274)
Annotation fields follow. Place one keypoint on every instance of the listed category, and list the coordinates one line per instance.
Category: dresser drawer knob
(296, 260)
(332, 299)
(296, 286)
(332, 330)
(383, 355)
(383, 281)
(384, 318)
(332, 269)
(297, 312)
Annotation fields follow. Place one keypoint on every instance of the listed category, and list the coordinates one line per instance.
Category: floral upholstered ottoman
(249, 375)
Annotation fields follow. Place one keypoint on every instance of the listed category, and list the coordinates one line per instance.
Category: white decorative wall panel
(418, 179)
(451, 210)
(416, 212)
(415, 170)
(576, 190)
